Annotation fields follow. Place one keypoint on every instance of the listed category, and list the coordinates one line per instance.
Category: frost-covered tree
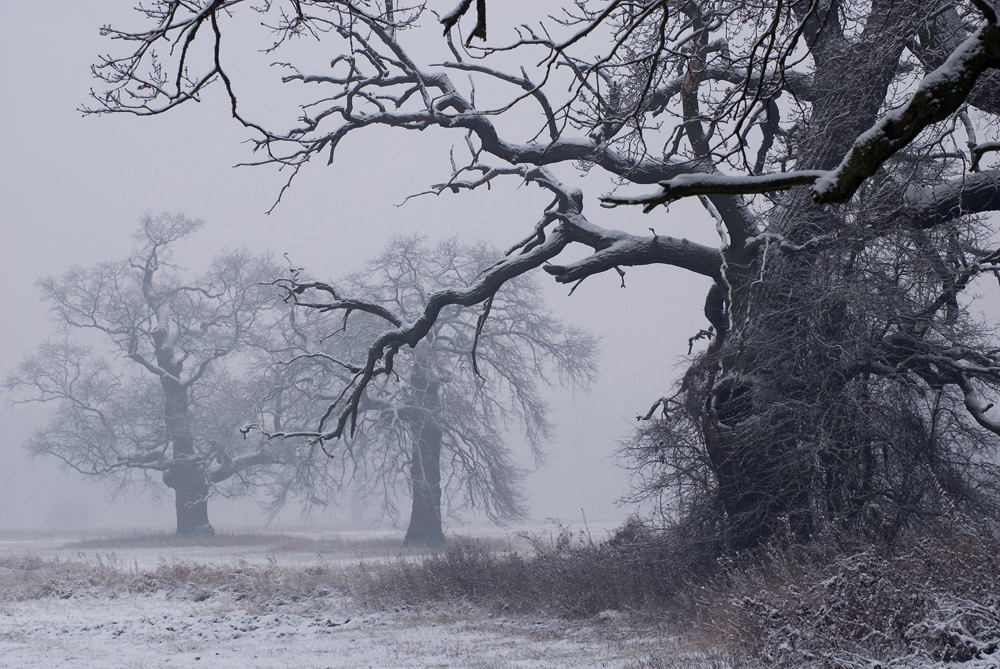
(167, 396)
(434, 425)
(841, 148)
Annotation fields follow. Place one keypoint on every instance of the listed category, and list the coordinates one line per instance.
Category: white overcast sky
(72, 188)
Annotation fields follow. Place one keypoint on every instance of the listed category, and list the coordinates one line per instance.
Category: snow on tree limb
(688, 185)
(409, 334)
(987, 414)
(632, 250)
(928, 206)
(939, 95)
(979, 150)
(988, 10)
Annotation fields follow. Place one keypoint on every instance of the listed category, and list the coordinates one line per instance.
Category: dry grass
(567, 576)
(925, 598)
(95, 568)
(378, 545)
(30, 577)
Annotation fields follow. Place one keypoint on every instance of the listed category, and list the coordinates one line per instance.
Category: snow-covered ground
(272, 601)
(150, 630)
(94, 621)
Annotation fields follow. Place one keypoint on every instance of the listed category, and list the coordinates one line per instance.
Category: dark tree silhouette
(841, 149)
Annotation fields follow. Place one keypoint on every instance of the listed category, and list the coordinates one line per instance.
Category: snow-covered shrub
(922, 599)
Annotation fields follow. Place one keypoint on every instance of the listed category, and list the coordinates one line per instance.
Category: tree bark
(185, 476)
(425, 465)
(776, 407)
(190, 488)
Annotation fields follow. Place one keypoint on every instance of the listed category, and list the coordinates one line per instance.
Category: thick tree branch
(929, 206)
(939, 95)
(627, 250)
(688, 185)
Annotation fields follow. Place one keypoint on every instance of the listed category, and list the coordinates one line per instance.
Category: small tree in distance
(165, 402)
(434, 425)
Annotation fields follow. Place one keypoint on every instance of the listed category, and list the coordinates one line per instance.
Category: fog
(72, 189)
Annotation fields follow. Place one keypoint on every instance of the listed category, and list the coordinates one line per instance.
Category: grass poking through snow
(924, 599)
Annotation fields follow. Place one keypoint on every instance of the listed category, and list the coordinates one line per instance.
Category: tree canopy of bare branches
(170, 399)
(435, 423)
(841, 149)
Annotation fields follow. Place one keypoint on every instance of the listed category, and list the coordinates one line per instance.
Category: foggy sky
(72, 189)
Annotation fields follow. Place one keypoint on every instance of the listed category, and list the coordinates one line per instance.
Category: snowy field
(164, 629)
(67, 603)
(291, 599)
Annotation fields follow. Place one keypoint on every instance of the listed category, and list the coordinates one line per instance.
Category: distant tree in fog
(167, 398)
(433, 424)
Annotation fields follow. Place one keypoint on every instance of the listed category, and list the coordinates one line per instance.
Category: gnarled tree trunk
(425, 464)
(185, 476)
(190, 488)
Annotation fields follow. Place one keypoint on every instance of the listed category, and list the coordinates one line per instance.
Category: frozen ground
(270, 601)
(293, 548)
(149, 630)
(90, 618)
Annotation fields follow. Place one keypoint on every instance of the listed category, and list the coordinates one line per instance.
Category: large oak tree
(169, 396)
(841, 148)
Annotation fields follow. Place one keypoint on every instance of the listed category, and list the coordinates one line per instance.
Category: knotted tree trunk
(791, 420)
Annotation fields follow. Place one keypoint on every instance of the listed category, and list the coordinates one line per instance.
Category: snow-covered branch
(986, 413)
(627, 250)
(929, 206)
(688, 185)
(939, 95)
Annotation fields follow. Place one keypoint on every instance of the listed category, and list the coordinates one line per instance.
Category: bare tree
(435, 424)
(170, 399)
(839, 147)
